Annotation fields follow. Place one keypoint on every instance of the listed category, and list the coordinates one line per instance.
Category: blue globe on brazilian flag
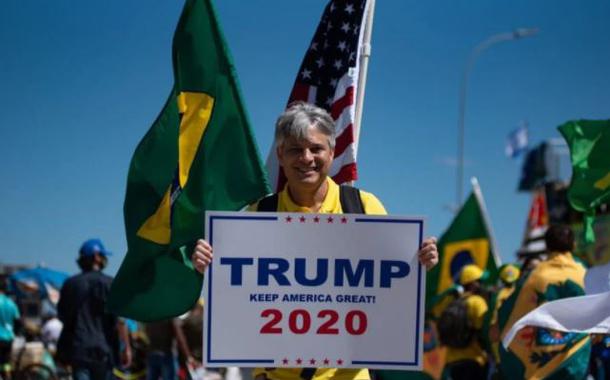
(468, 240)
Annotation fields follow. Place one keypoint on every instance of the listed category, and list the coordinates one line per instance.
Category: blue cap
(93, 246)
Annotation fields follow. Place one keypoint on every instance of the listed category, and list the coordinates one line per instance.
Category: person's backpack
(349, 197)
(454, 329)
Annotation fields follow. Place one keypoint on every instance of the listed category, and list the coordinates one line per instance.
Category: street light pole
(497, 38)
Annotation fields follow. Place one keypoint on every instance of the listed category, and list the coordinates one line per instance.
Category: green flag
(198, 155)
(589, 142)
(466, 241)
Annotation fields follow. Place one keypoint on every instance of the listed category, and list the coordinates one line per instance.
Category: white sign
(314, 290)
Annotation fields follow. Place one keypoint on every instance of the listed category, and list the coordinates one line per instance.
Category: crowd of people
(83, 341)
(472, 317)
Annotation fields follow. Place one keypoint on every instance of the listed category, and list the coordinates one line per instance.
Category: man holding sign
(305, 142)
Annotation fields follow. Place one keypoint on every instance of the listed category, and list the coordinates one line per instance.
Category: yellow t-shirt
(331, 205)
(476, 307)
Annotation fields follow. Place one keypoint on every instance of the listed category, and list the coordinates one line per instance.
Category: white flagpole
(363, 66)
(476, 189)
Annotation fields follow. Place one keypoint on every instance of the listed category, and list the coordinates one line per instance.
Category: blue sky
(81, 82)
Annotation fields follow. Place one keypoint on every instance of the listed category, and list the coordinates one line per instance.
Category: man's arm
(63, 306)
(126, 355)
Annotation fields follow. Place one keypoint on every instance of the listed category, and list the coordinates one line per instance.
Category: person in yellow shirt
(509, 274)
(536, 352)
(469, 360)
(305, 142)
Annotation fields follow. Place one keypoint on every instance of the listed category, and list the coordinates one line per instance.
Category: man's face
(306, 162)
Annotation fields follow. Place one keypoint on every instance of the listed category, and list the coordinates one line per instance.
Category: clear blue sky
(81, 82)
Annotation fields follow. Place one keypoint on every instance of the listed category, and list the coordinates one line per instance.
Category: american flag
(328, 78)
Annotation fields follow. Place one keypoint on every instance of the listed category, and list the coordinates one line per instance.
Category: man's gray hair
(299, 116)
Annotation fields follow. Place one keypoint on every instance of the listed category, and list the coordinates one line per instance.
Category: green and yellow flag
(466, 241)
(538, 353)
(198, 155)
(589, 142)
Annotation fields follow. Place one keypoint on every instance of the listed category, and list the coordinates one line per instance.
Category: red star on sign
(344, 220)
(302, 219)
(316, 219)
(288, 219)
(326, 361)
(330, 219)
(299, 361)
(285, 361)
(312, 361)
(340, 361)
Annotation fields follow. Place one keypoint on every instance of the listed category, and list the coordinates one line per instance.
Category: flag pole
(476, 189)
(364, 64)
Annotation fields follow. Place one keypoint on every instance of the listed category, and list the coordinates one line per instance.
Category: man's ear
(279, 153)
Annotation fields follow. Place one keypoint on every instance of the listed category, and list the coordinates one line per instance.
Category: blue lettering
(275, 267)
(360, 273)
(392, 269)
(343, 267)
(236, 263)
(300, 272)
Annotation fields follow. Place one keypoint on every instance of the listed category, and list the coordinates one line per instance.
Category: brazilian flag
(539, 353)
(589, 142)
(468, 240)
(198, 155)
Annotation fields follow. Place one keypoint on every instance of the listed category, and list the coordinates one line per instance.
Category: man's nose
(307, 155)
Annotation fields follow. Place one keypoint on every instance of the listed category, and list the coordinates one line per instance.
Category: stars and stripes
(328, 78)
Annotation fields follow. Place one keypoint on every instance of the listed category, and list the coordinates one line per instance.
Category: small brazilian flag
(198, 155)
(589, 142)
(468, 240)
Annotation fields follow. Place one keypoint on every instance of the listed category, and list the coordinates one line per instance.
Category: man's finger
(426, 250)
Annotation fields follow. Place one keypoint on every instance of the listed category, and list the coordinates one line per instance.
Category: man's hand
(194, 363)
(202, 255)
(428, 254)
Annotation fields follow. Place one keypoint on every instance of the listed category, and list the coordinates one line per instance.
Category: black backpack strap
(269, 203)
(351, 203)
(307, 373)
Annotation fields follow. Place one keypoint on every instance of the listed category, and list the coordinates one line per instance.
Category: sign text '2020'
(325, 322)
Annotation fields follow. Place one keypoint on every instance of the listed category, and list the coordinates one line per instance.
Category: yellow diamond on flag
(460, 253)
(195, 109)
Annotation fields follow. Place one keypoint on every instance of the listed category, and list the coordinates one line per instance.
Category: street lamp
(509, 36)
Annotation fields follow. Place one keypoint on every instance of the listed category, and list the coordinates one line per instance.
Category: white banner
(583, 314)
(597, 279)
(314, 290)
